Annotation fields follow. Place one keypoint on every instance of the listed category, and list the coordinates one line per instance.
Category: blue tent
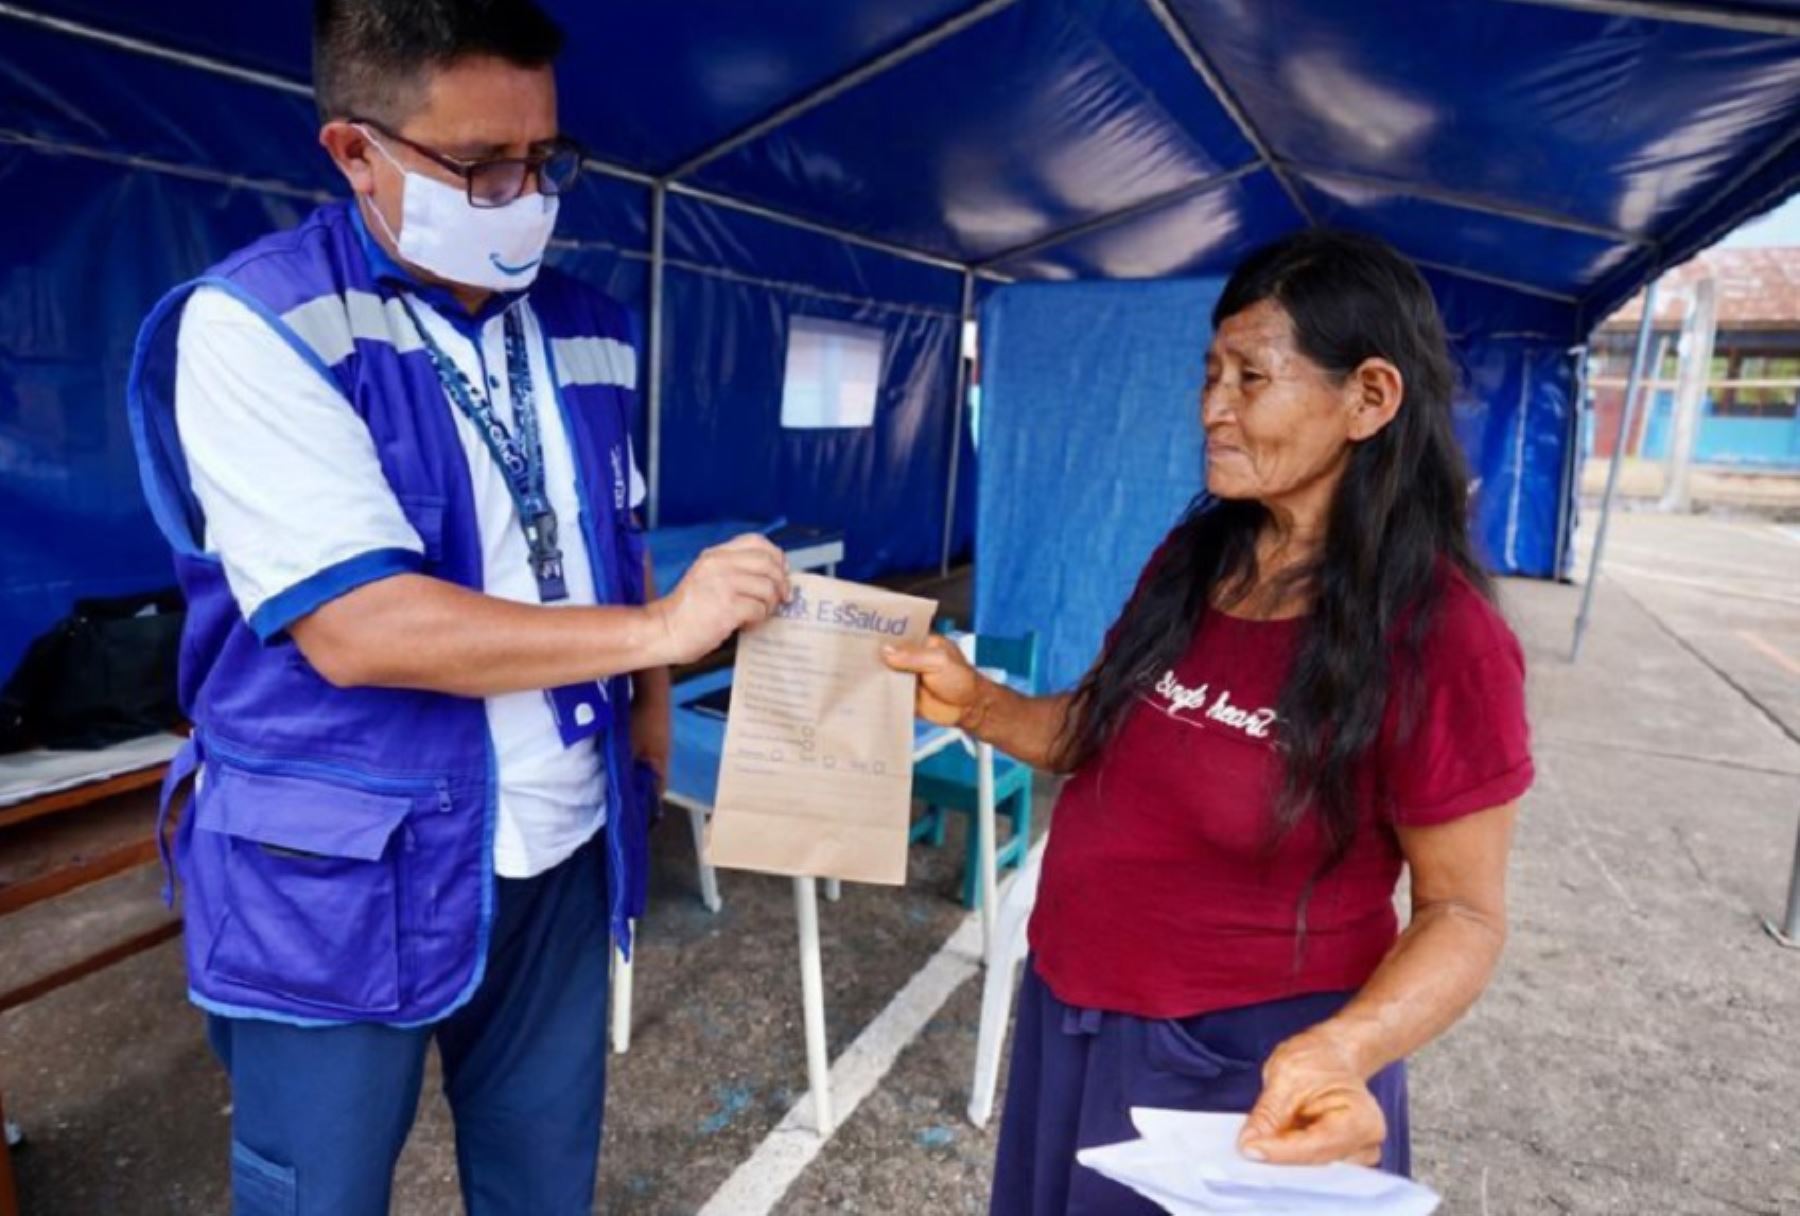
(889, 162)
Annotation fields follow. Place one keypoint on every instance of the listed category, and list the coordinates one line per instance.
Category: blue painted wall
(1767, 442)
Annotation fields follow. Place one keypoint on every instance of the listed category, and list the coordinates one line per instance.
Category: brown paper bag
(816, 778)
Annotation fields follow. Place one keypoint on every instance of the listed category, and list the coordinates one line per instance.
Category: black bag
(104, 674)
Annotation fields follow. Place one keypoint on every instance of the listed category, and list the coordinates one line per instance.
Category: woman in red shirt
(1309, 691)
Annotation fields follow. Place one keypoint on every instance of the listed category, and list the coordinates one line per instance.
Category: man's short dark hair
(370, 57)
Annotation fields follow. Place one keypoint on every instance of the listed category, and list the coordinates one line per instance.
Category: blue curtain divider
(1090, 450)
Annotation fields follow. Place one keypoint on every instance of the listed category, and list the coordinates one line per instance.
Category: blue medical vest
(337, 861)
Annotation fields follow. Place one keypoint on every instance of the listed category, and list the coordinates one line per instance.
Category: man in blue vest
(391, 452)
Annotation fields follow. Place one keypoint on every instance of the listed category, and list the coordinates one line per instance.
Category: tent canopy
(887, 163)
(1549, 155)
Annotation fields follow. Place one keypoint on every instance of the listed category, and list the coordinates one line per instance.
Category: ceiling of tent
(1550, 154)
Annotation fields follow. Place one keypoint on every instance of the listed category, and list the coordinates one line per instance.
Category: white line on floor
(1696, 566)
(1553, 786)
(756, 1186)
(1735, 591)
(1756, 642)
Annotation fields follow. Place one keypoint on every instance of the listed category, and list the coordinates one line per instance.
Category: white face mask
(442, 233)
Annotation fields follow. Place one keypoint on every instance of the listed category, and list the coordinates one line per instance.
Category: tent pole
(220, 67)
(1632, 382)
(1571, 464)
(911, 49)
(1788, 931)
(1698, 335)
(154, 50)
(1480, 276)
(1476, 203)
(1190, 49)
(1737, 17)
(956, 429)
(654, 356)
(1131, 212)
(805, 225)
(265, 185)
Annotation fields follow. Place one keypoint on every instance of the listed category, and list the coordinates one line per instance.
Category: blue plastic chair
(946, 781)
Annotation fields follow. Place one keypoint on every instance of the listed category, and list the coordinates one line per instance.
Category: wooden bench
(63, 841)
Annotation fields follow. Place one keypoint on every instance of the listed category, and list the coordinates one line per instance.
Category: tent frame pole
(987, 267)
(1633, 383)
(1787, 932)
(268, 80)
(1101, 222)
(1734, 18)
(805, 225)
(653, 357)
(836, 87)
(1713, 15)
(127, 160)
(1472, 202)
(956, 414)
(1190, 49)
(154, 50)
(1493, 280)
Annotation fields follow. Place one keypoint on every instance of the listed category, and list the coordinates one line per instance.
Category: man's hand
(1315, 1108)
(737, 584)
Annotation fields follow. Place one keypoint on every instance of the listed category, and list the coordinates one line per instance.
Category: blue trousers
(1076, 1074)
(319, 1115)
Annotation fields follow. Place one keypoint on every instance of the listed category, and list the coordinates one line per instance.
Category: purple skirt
(1076, 1074)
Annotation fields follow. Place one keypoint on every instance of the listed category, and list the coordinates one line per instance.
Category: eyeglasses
(497, 182)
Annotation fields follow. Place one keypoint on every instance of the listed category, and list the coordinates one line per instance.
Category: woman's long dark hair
(1398, 524)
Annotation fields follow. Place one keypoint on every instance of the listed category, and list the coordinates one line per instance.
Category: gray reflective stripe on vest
(594, 361)
(331, 325)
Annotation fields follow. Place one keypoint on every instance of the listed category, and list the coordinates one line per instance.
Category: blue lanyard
(520, 459)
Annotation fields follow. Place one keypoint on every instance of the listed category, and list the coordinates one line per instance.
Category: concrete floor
(1717, 487)
(1635, 1055)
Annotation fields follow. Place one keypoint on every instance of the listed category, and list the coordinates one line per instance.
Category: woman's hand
(950, 690)
(952, 693)
(1315, 1108)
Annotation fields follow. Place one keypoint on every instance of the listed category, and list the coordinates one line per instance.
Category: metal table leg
(984, 824)
(1788, 931)
(621, 999)
(812, 996)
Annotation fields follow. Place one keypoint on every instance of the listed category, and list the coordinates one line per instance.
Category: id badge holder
(581, 711)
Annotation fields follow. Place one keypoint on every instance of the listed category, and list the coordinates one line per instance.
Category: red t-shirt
(1161, 896)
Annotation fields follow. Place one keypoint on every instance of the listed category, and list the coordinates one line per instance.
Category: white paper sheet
(1189, 1164)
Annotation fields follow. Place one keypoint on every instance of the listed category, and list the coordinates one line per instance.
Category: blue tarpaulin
(1090, 451)
(856, 160)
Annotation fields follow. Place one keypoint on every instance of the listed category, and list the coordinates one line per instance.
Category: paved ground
(1726, 589)
(1713, 487)
(1635, 1056)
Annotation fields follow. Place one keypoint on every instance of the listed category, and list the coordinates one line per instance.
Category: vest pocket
(311, 908)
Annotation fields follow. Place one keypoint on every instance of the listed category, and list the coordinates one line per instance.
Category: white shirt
(287, 475)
